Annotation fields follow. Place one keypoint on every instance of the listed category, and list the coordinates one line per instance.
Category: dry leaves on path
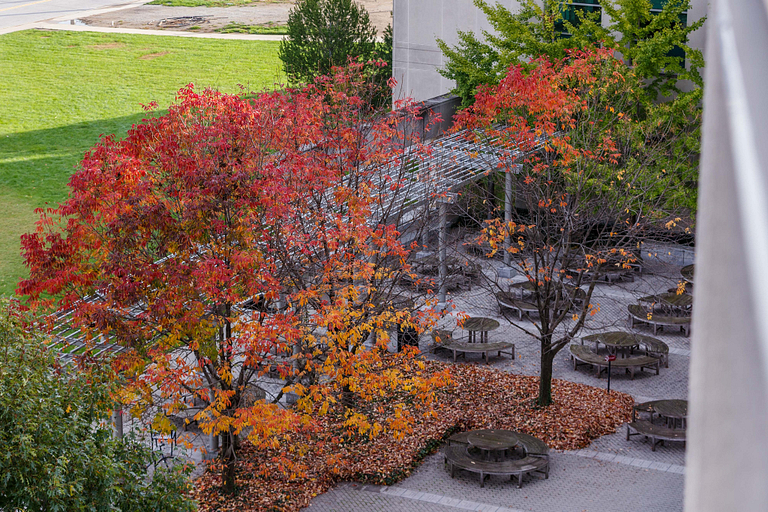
(309, 463)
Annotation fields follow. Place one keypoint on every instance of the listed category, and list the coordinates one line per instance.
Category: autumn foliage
(235, 237)
(479, 397)
(595, 172)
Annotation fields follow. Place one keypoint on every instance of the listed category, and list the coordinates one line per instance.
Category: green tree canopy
(57, 455)
(650, 35)
(323, 34)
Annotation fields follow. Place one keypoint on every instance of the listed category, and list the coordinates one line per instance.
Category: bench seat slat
(457, 457)
(585, 354)
(480, 348)
(655, 432)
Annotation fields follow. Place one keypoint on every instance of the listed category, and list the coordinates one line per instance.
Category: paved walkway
(21, 15)
(45, 25)
(63, 22)
(612, 474)
(575, 484)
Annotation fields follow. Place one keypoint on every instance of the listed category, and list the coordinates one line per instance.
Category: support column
(727, 456)
(442, 240)
(117, 423)
(509, 203)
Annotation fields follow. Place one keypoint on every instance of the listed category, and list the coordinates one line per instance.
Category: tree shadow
(35, 168)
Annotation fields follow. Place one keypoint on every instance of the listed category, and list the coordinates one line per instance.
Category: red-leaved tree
(236, 237)
(595, 172)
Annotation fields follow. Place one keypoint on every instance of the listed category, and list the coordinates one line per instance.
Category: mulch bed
(309, 463)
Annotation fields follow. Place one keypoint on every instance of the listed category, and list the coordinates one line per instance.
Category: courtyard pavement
(612, 474)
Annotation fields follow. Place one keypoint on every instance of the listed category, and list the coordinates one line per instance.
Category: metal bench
(584, 355)
(656, 433)
(500, 347)
(506, 300)
(441, 338)
(655, 348)
(457, 457)
(639, 314)
(532, 445)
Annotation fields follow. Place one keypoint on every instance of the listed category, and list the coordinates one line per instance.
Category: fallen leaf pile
(310, 462)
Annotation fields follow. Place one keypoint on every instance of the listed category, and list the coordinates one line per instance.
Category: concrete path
(611, 475)
(149, 32)
(23, 14)
(56, 17)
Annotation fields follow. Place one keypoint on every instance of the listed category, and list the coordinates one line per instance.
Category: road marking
(24, 5)
(445, 501)
(629, 461)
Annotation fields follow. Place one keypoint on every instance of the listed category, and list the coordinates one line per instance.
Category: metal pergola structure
(432, 177)
(448, 164)
(71, 341)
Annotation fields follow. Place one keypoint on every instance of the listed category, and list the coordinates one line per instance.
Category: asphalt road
(17, 13)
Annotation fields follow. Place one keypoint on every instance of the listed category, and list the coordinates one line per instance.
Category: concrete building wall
(416, 57)
(418, 23)
(727, 455)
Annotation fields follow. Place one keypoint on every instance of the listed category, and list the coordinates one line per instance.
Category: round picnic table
(671, 301)
(614, 340)
(522, 290)
(672, 410)
(482, 325)
(430, 265)
(492, 443)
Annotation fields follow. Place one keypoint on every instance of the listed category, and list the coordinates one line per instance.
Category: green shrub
(323, 34)
(57, 454)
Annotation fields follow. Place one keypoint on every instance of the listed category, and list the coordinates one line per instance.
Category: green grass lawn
(240, 28)
(60, 90)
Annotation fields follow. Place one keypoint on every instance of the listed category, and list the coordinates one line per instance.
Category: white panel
(727, 458)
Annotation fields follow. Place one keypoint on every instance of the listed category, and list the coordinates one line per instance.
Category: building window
(656, 7)
(569, 10)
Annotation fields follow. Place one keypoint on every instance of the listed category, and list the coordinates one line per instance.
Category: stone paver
(575, 484)
(612, 474)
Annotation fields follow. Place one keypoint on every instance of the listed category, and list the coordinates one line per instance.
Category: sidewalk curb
(44, 25)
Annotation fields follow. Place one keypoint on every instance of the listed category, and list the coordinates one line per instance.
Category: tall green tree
(651, 39)
(57, 455)
(323, 34)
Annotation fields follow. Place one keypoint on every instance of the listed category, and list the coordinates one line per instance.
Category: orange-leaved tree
(592, 179)
(238, 237)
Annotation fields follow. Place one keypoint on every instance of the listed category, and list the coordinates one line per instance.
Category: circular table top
(682, 300)
(523, 285)
(491, 439)
(508, 299)
(617, 338)
(479, 323)
(671, 408)
(399, 300)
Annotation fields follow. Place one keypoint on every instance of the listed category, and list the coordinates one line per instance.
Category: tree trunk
(228, 459)
(347, 397)
(545, 378)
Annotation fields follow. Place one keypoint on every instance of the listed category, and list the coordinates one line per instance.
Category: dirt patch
(151, 56)
(107, 46)
(213, 18)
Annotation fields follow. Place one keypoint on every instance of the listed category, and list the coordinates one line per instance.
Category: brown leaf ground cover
(308, 463)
